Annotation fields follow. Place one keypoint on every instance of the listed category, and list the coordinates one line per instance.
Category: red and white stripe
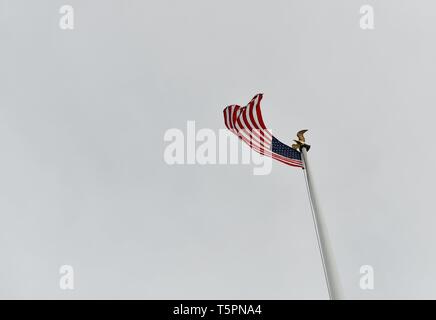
(247, 123)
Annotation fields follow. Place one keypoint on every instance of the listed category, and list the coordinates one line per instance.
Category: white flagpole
(324, 244)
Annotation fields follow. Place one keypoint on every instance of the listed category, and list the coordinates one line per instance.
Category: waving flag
(247, 123)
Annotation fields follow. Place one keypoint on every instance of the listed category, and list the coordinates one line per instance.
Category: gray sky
(82, 176)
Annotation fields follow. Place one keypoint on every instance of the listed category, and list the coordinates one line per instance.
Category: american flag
(247, 123)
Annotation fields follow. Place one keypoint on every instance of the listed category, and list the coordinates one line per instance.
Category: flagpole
(324, 244)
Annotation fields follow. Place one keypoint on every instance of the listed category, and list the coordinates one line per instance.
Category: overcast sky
(83, 182)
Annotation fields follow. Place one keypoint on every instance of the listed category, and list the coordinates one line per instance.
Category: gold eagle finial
(301, 142)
